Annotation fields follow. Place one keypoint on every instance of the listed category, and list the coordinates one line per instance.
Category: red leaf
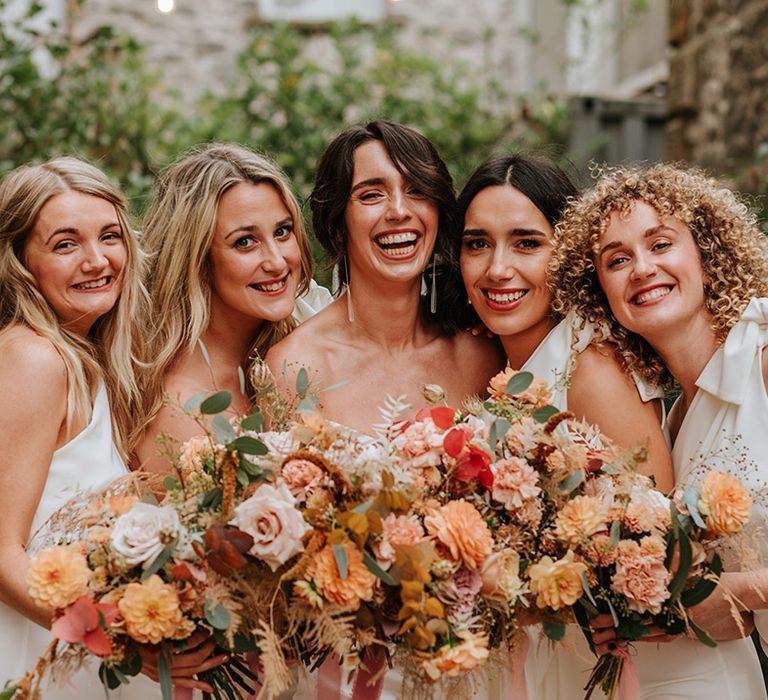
(485, 477)
(182, 572)
(97, 642)
(443, 416)
(77, 619)
(423, 414)
(454, 442)
(472, 465)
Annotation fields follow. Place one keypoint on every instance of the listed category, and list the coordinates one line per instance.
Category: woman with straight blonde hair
(228, 257)
(69, 286)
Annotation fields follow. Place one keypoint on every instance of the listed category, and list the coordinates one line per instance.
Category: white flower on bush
(142, 533)
(270, 517)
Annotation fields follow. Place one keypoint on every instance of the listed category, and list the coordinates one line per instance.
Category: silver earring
(350, 308)
(424, 289)
(433, 293)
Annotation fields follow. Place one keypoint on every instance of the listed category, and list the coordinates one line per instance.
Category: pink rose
(422, 443)
(271, 518)
(302, 478)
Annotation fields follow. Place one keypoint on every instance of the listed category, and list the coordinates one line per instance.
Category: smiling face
(255, 257)
(76, 253)
(391, 226)
(505, 250)
(649, 267)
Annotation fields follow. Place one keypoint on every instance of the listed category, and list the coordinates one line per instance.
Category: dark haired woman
(383, 208)
(510, 207)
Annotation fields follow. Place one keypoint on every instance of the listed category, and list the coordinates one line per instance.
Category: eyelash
(281, 233)
(659, 245)
(107, 237)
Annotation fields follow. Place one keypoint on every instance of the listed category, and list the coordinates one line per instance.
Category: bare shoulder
(480, 350)
(31, 361)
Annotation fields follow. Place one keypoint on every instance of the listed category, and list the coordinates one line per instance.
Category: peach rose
(643, 581)
(462, 531)
(501, 576)
(579, 519)
(724, 503)
(302, 478)
(396, 530)
(271, 518)
(557, 584)
(152, 612)
(514, 482)
(58, 576)
(468, 654)
(345, 592)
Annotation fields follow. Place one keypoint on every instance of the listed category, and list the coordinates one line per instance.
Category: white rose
(142, 533)
(270, 517)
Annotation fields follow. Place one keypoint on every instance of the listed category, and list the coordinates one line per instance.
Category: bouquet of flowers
(126, 574)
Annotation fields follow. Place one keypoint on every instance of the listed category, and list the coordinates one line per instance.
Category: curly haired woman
(674, 269)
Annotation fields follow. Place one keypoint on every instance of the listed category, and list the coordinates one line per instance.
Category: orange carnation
(462, 531)
(58, 576)
(579, 519)
(345, 592)
(152, 611)
(724, 503)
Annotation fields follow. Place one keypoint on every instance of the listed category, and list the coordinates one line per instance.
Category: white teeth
(271, 287)
(507, 297)
(653, 294)
(401, 251)
(92, 285)
(396, 238)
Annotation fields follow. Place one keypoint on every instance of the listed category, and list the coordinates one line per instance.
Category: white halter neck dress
(87, 462)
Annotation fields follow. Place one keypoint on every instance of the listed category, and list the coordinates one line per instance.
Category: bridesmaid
(228, 257)
(69, 289)
(383, 208)
(675, 269)
(510, 207)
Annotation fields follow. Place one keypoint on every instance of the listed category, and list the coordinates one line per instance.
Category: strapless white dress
(87, 462)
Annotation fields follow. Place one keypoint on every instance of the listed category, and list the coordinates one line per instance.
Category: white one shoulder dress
(87, 462)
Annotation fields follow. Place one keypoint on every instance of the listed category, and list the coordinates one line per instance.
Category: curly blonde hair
(734, 252)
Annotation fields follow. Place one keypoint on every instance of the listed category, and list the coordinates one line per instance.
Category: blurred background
(131, 85)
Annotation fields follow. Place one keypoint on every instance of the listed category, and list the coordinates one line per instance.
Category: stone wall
(718, 84)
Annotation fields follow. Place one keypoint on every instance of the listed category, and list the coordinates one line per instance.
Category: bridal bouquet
(127, 575)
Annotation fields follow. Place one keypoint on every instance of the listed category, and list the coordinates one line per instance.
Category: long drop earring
(433, 293)
(424, 289)
(350, 308)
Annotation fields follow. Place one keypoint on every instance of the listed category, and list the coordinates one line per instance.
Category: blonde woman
(674, 268)
(228, 256)
(69, 288)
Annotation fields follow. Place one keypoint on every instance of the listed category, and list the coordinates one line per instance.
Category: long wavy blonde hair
(734, 251)
(107, 353)
(178, 232)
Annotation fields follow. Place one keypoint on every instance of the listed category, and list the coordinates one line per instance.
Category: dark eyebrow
(73, 231)
(649, 232)
(253, 228)
(521, 232)
(367, 183)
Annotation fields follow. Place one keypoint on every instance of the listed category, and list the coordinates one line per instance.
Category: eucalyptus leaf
(691, 502)
(701, 635)
(340, 552)
(614, 616)
(615, 533)
(171, 483)
(337, 385)
(217, 617)
(248, 445)
(543, 414)
(571, 481)
(499, 429)
(519, 382)
(223, 429)
(363, 507)
(159, 561)
(216, 403)
(685, 556)
(210, 500)
(164, 673)
(193, 403)
(377, 571)
(302, 383)
(554, 630)
(307, 405)
(107, 677)
(242, 477)
(241, 378)
(253, 422)
(587, 591)
(204, 350)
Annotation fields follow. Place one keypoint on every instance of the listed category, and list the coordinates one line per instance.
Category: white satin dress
(87, 462)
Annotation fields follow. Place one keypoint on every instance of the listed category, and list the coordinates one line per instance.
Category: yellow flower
(557, 583)
(58, 576)
(579, 519)
(345, 592)
(151, 611)
(462, 531)
(724, 503)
